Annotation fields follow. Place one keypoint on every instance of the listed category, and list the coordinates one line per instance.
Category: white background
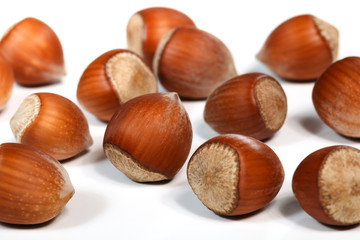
(106, 204)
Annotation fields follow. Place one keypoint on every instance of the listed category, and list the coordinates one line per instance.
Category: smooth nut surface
(192, 62)
(52, 124)
(6, 82)
(112, 79)
(327, 185)
(300, 48)
(146, 27)
(335, 96)
(34, 187)
(252, 104)
(149, 137)
(34, 51)
(234, 174)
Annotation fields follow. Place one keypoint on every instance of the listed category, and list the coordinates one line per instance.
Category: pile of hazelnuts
(149, 134)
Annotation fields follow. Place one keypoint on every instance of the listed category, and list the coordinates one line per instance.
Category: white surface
(107, 204)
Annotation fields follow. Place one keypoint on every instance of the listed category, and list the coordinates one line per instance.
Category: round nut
(335, 96)
(235, 174)
(112, 79)
(34, 186)
(192, 62)
(252, 104)
(149, 137)
(34, 51)
(146, 27)
(301, 48)
(52, 124)
(327, 185)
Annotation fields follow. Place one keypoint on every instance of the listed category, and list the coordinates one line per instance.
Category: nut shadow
(28, 226)
(313, 124)
(79, 155)
(188, 201)
(257, 66)
(291, 209)
(247, 215)
(89, 156)
(106, 169)
(75, 213)
(42, 85)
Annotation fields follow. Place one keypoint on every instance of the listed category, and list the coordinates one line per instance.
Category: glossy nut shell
(149, 137)
(327, 185)
(146, 28)
(336, 96)
(235, 174)
(192, 62)
(34, 51)
(252, 104)
(34, 187)
(301, 48)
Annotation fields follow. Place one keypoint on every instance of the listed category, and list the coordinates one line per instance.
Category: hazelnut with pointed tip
(146, 27)
(234, 174)
(301, 48)
(112, 79)
(327, 185)
(149, 137)
(34, 51)
(34, 186)
(52, 124)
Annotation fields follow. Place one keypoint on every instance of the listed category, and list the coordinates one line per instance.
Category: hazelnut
(301, 48)
(34, 186)
(327, 185)
(336, 96)
(6, 82)
(112, 79)
(149, 137)
(192, 62)
(34, 51)
(234, 174)
(146, 27)
(52, 124)
(252, 104)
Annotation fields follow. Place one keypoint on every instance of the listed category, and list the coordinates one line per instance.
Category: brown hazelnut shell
(300, 48)
(34, 186)
(335, 96)
(149, 137)
(146, 28)
(233, 174)
(34, 51)
(326, 185)
(112, 79)
(252, 104)
(192, 62)
(6, 82)
(53, 124)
